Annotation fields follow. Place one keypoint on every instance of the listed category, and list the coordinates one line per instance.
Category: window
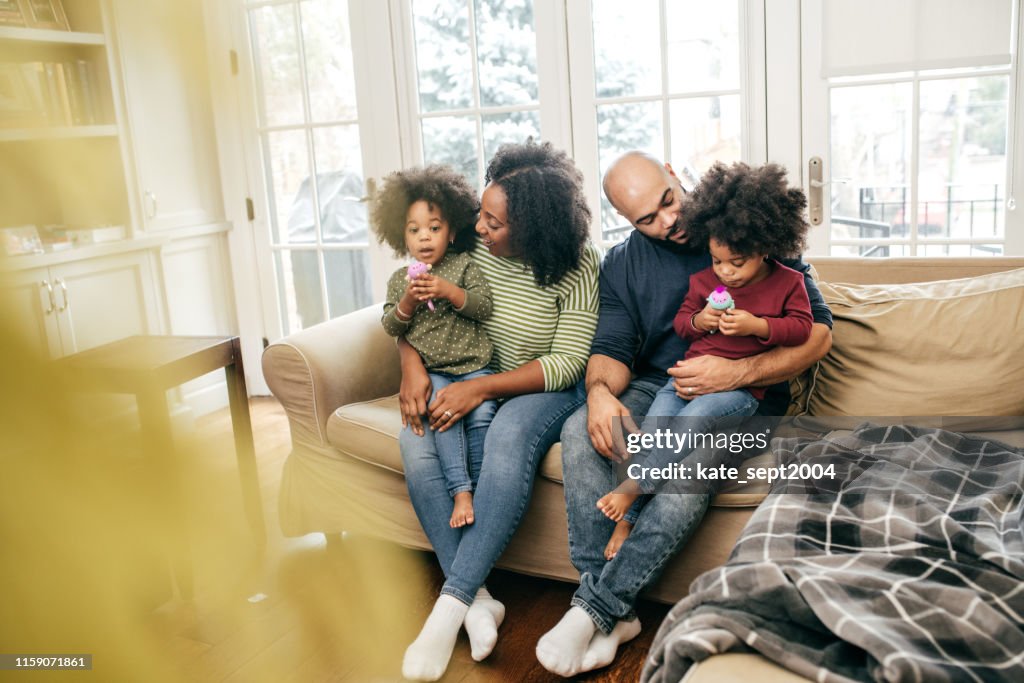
(475, 80)
(309, 136)
(666, 76)
(928, 152)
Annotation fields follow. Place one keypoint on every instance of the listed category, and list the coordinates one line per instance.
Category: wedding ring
(447, 414)
(689, 390)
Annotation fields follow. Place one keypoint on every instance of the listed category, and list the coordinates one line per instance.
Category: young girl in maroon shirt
(748, 217)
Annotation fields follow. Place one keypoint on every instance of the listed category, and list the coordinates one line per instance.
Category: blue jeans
(461, 448)
(523, 430)
(707, 411)
(609, 588)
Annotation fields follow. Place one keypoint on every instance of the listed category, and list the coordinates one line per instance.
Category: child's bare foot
(615, 504)
(619, 536)
(463, 512)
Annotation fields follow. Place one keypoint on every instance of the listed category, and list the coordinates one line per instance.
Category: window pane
(298, 289)
(276, 50)
(869, 250)
(705, 130)
(289, 169)
(870, 148)
(507, 50)
(348, 281)
(500, 129)
(442, 54)
(960, 250)
(621, 128)
(963, 157)
(452, 140)
(328, 47)
(703, 45)
(339, 170)
(627, 47)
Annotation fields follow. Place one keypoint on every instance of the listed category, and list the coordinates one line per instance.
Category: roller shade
(886, 36)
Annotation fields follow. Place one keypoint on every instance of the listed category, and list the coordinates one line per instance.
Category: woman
(533, 248)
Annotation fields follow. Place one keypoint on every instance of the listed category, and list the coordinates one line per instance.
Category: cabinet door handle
(151, 207)
(45, 284)
(64, 294)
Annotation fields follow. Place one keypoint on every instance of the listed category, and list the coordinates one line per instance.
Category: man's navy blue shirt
(643, 282)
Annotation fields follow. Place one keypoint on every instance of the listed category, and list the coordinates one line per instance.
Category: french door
(313, 93)
(908, 122)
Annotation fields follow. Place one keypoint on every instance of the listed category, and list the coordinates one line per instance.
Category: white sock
(482, 621)
(602, 648)
(561, 649)
(427, 658)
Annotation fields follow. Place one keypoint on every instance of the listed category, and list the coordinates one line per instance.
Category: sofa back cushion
(951, 347)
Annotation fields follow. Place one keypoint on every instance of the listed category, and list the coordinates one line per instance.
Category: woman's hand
(414, 392)
(739, 323)
(454, 402)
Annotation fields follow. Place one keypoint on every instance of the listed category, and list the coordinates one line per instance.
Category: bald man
(643, 281)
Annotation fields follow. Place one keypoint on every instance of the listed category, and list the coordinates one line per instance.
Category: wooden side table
(148, 366)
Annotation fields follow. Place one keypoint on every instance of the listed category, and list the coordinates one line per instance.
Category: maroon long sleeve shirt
(780, 298)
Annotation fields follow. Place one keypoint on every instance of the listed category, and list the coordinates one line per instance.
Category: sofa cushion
(950, 347)
(368, 431)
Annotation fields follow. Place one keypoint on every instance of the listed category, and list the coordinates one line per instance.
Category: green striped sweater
(554, 325)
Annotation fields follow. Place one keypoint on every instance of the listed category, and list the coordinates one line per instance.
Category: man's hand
(602, 408)
(739, 323)
(706, 375)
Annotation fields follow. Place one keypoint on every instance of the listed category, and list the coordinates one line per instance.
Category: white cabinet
(74, 306)
(169, 113)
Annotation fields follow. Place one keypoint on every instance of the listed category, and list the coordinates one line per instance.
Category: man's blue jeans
(461, 448)
(608, 588)
(522, 431)
(704, 412)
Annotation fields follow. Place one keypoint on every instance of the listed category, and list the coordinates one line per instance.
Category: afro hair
(548, 215)
(750, 210)
(440, 186)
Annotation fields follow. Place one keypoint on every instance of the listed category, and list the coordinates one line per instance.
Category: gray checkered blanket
(911, 570)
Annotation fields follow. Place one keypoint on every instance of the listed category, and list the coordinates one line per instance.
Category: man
(643, 281)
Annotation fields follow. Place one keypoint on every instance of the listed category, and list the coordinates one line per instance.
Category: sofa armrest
(341, 361)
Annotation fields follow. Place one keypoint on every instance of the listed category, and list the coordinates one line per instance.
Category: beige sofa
(337, 382)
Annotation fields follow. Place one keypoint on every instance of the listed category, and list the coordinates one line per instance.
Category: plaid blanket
(911, 570)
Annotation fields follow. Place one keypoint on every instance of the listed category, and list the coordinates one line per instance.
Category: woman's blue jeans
(522, 431)
(461, 448)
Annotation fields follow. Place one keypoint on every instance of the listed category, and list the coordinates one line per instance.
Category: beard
(680, 226)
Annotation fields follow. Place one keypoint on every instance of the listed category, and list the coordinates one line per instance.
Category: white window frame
(552, 81)
(796, 23)
(752, 91)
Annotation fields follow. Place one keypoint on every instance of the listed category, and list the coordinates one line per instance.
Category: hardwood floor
(307, 610)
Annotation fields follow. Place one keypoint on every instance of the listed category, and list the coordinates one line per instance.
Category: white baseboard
(207, 399)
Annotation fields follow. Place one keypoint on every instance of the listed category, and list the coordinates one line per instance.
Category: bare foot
(619, 536)
(463, 512)
(615, 504)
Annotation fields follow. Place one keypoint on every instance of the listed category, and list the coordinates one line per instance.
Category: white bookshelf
(50, 37)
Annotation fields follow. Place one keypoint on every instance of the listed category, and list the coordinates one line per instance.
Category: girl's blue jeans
(522, 431)
(461, 448)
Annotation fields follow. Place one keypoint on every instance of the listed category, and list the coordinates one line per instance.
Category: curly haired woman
(532, 246)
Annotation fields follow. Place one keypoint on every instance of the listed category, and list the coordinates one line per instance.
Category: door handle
(64, 295)
(814, 194)
(45, 284)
